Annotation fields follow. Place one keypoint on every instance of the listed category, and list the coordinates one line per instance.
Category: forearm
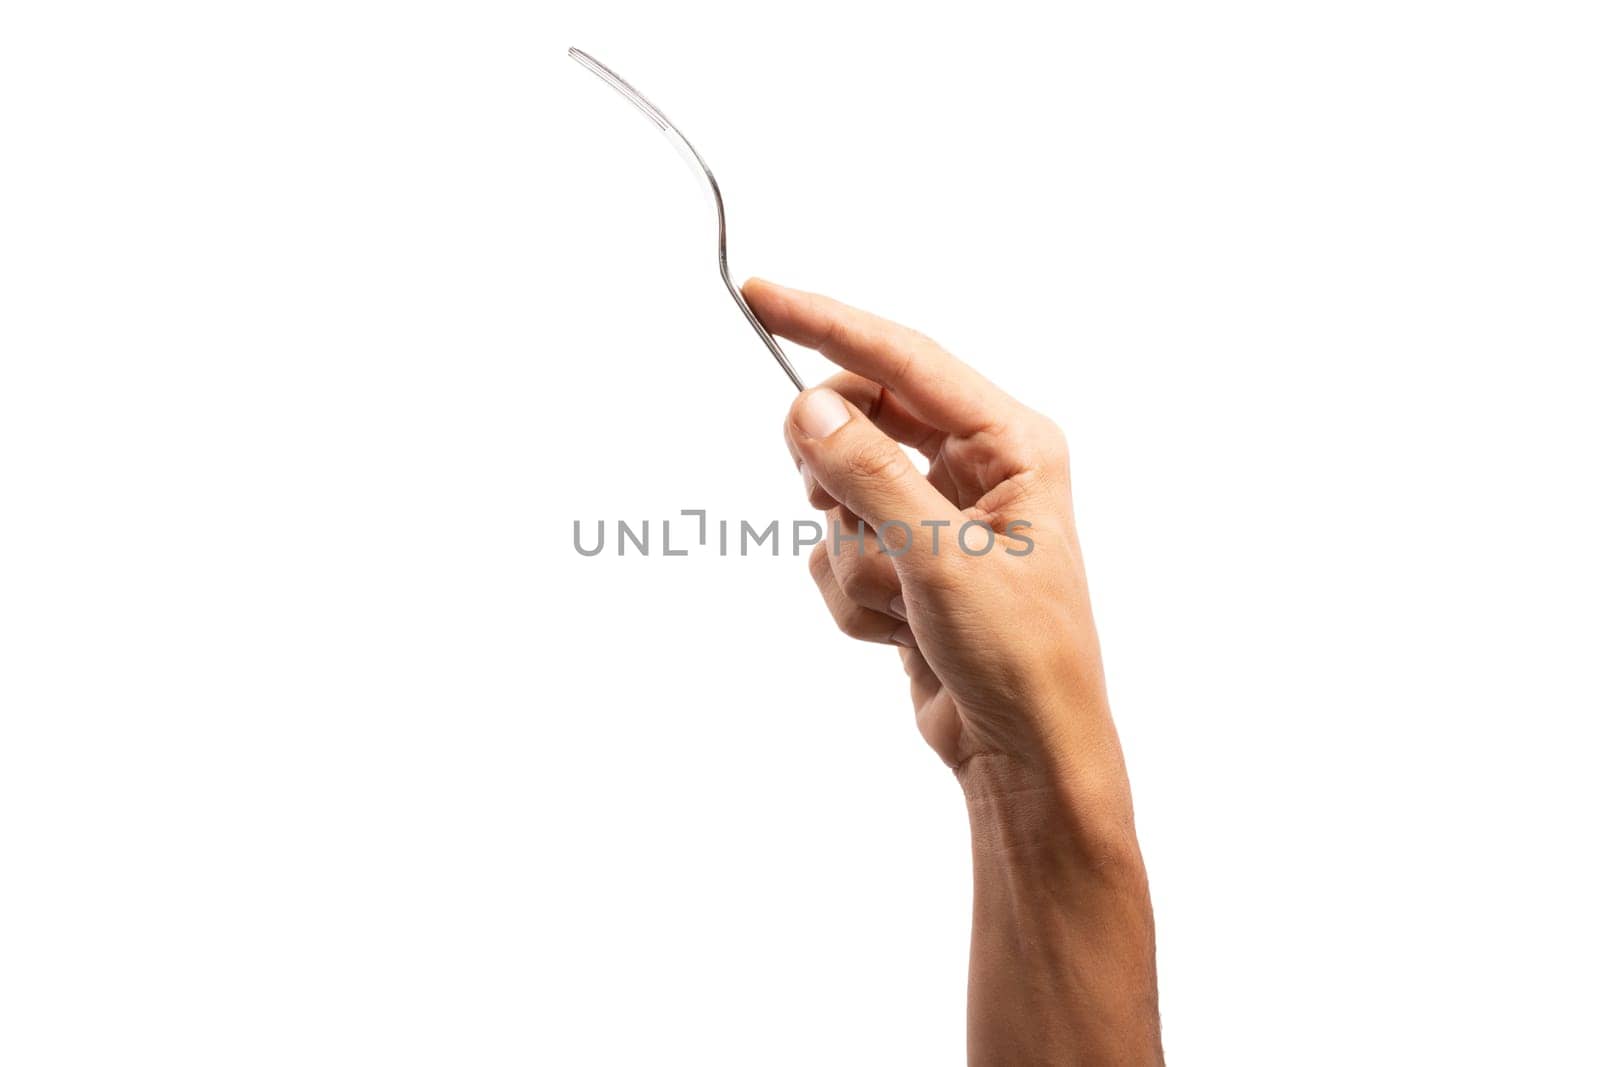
(1063, 943)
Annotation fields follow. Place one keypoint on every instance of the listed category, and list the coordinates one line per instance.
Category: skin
(1004, 668)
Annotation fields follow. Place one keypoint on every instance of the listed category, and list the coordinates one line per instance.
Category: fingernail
(902, 636)
(821, 412)
(897, 607)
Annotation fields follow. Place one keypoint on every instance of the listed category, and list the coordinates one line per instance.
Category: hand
(981, 583)
(1000, 646)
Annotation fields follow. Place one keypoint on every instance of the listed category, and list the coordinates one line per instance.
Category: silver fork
(686, 150)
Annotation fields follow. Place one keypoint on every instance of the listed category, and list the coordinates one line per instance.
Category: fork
(696, 163)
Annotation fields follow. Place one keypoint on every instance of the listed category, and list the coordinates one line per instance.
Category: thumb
(863, 468)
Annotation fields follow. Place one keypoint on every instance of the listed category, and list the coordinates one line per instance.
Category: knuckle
(818, 563)
(855, 580)
(831, 333)
(857, 624)
(1032, 441)
(1052, 441)
(903, 362)
(874, 462)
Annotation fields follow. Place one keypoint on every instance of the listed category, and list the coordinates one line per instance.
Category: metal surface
(686, 150)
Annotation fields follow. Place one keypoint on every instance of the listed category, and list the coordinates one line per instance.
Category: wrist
(1047, 814)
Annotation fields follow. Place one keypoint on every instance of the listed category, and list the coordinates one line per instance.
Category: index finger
(933, 385)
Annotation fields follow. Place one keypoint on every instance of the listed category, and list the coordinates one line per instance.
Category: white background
(321, 322)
